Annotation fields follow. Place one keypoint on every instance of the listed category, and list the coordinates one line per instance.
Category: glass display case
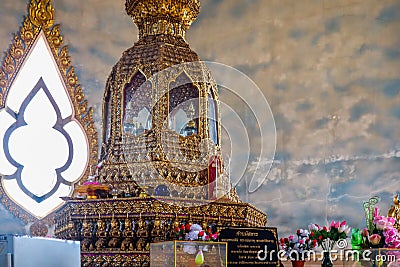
(188, 254)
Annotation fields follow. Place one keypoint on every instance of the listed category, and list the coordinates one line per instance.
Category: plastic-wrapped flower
(356, 238)
(295, 246)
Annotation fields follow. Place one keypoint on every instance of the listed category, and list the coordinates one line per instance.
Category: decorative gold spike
(41, 13)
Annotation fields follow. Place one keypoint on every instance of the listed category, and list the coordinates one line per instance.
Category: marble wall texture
(328, 68)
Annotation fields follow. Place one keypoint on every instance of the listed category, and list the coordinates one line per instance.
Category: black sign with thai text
(251, 246)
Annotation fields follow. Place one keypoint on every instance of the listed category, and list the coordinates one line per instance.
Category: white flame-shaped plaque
(44, 149)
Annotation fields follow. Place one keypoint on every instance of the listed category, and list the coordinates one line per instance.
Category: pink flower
(343, 223)
(381, 224)
(291, 237)
(332, 224)
(396, 243)
(376, 211)
(337, 224)
(365, 232)
(389, 240)
(378, 218)
(391, 232)
(374, 239)
(390, 221)
(344, 228)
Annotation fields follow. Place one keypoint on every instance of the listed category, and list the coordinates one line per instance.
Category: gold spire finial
(41, 13)
(171, 17)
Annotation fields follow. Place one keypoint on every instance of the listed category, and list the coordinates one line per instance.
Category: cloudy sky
(329, 70)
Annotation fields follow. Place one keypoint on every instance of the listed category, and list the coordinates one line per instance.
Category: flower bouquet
(194, 232)
(181, 231)
(297, 247)
(328, 236)
(380, 234)
(380, 237)
(380, 231)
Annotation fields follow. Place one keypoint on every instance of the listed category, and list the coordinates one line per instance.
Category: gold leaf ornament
(41, 13)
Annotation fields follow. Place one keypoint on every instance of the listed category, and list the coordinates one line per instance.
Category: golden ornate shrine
(161, 154)
(159, 76)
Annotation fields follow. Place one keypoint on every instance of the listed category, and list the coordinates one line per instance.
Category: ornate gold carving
(38, 229)
(154, 220)
(41, 13)
(115, 259)
(394, 211)
(163, 17)
(41, 18)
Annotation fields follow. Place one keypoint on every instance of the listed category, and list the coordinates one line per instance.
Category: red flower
(320, 237)
(312, 234)
(286, 239)
(187, 226)
(176, 229)
(324, 228)
(182, 227)
(201, 233)
(298, 232)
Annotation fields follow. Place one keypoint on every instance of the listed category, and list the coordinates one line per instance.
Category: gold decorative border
(41, 18)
